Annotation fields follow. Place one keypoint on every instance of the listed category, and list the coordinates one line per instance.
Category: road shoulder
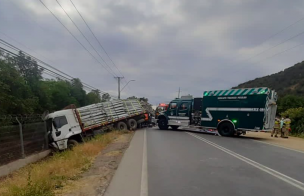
(292, 143)
(127, 180)
(97, 178)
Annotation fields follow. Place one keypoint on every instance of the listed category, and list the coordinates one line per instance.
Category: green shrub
(297, 120)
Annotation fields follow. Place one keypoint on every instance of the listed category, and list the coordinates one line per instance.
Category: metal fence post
(46, 136)
(21, 138)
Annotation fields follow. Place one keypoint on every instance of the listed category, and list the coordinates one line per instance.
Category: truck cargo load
(69, 126)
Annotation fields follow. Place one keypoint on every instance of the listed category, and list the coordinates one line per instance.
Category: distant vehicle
(230, 112)
(68, 127)
(160, 108)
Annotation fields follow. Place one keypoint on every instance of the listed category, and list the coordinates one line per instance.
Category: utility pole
(118, 79)
(178, 92)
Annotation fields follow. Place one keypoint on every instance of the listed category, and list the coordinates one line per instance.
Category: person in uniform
(286, 128)
(281, 126)
(276, 128)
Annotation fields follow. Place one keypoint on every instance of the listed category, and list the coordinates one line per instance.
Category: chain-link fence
(21, 136)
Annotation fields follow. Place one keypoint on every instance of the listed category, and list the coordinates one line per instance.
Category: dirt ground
(290, 142)
(95, 181)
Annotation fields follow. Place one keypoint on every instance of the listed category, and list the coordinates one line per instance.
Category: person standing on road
(281, 126)
(286, 128)
(276, 128)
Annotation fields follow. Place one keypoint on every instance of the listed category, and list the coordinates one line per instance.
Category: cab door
(61, 128)
(183, 113)
(171, 111)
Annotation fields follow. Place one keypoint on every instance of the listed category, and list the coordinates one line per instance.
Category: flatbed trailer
(69, 126)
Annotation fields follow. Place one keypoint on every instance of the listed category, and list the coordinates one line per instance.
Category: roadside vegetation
(25, 91)
(44, 177)
(289, 84)
(297, 120)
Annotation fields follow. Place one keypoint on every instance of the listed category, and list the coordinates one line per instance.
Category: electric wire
(75, 37)
(96, 38)
(84, 36)
(44, 69)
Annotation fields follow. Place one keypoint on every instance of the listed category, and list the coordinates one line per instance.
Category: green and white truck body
(230, 112)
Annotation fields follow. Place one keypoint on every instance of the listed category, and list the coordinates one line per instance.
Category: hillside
(289, 81)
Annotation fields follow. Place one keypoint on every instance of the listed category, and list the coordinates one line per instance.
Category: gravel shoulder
(290, 142)
(95, 181)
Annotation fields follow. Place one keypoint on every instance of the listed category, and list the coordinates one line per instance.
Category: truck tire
(162, 124)
(121, 126)
(72, 143)
(226, 129)
(174, 127)
(132, 124)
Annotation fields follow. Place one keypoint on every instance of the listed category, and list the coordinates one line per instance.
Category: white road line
(279, 146)
(264, 168)
(144, 169)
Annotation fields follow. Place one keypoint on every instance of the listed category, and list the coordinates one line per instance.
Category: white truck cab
(62, 126)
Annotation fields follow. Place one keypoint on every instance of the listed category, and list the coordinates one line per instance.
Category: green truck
(226, 112)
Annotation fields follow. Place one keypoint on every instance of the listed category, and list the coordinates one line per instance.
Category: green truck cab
(230, 112)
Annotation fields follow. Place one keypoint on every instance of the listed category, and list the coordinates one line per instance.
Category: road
(180, 163)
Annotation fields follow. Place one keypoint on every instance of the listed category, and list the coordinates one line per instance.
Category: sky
(163, 45)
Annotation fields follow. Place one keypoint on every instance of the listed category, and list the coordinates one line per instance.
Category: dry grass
(43, 178)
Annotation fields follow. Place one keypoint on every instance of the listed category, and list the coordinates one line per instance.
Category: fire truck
(229, 112)
(160, 108)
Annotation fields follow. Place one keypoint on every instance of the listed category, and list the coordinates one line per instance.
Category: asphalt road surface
(181, 163)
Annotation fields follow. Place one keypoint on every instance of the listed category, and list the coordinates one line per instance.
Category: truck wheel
(174, 127)
(132, 124)
(121, 126)
(226, 129)
(72, 144)
(162, 124)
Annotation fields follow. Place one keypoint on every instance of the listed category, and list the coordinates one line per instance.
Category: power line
(280, 42)
(283, 29)
(96, 38)
(279, 53)
(84, 36)
(75, 37)
(297, 35)
(58, 77)
(48, 71)
(23, 45)
(38, 60)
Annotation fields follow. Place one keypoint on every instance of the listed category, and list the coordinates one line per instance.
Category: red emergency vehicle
(160, 108)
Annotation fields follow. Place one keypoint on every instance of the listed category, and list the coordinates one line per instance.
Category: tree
(290, 101)
(297, 120)
(24, 91)
(78, 92)
(144, 99)
(132, 97)
(30, 70)
(105, 97)
(16, 96)
(93, 97)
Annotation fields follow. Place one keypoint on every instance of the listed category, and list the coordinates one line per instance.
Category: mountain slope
(289, 81)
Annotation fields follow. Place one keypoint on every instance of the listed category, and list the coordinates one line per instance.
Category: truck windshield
(161, 108)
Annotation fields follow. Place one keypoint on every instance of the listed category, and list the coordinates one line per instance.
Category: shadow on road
(244, 137)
